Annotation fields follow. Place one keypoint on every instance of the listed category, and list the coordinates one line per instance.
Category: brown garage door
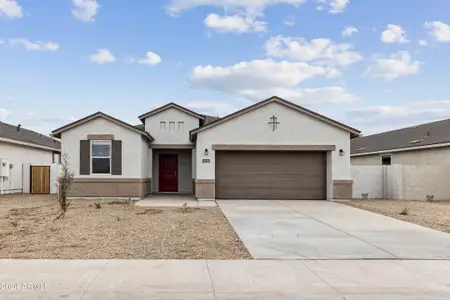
(270, 175)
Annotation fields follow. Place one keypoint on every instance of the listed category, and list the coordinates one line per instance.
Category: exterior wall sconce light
(206, 152)
(341, 152)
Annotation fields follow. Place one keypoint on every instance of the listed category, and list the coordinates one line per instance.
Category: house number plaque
(206, 160)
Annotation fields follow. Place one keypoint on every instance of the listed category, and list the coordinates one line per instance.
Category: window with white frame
(100, 157)
(171, 126)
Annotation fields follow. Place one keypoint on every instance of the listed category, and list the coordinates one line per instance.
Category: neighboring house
(426, 144)
(273, 149)
(20, 147)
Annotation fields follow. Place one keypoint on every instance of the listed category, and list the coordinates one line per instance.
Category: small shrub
(98, 205)
(14, 223)
(64, 182)
(404, 212)
(365, 196)
(429, 198)
(184, 208)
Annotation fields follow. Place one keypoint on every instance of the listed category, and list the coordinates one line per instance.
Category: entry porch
(173, 171)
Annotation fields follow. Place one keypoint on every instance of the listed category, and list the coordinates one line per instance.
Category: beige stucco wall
(432, 156)
(366, 160)
(175, 136)
(133, 145)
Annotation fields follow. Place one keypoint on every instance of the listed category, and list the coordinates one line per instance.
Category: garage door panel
(281, 181)
(273, 168)
(269, 194)
(270, 175)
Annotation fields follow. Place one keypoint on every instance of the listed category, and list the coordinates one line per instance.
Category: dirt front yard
(117, 230)
(434, 215)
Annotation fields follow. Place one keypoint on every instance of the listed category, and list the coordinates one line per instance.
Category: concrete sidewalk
(146, 279)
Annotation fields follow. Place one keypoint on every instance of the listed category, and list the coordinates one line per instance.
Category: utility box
(4, 167)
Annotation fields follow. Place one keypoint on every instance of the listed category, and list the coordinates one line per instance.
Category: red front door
(168, 173)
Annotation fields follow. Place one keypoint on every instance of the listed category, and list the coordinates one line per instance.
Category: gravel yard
(434, 215)
(117, 230)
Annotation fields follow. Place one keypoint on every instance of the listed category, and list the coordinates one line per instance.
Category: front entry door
(168, 173)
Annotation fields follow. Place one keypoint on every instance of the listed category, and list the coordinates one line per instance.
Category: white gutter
(402, 149)
(28, 144)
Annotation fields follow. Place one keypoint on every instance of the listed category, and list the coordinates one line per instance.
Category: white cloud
(102, 56)
(5, 114)
(394, 34)
(290, 21)
(423, 43)
(254, 75)
(382, 118)
(439, 30)
(331, 94)
(338, 6)
(34, 46)
(260, 79)
(85, 10)
(349, 31)
(237, 23)
(252, 7)
(151, 59)
(333, 6)
(399, 64)
(211, 108)
(321, 51)
(10, 9)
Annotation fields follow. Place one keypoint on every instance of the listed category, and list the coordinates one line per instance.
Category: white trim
(28, 144)
(402, 149)
(110, 156)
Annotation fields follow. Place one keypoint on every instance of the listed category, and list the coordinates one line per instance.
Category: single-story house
(426, 144)
(273, 149)
(20, 147)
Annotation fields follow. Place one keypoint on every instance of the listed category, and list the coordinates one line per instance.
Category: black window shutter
(116, 159)
(85, 157)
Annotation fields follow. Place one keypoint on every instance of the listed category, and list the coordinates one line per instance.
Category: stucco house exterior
(20, 148)
(425, 144)
(273, 149)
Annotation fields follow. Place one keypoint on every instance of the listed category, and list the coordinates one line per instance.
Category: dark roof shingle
(11, 132)
(409, 137)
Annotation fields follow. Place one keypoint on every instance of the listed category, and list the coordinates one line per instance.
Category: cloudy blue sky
(372, 64)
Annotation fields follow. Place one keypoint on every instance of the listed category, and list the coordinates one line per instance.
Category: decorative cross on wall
(273, 123)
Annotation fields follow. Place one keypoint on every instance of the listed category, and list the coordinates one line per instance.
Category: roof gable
(168, 106)
(57, 132)
(354, 132)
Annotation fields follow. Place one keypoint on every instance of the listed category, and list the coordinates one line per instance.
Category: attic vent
(416, 141)
(360, 149)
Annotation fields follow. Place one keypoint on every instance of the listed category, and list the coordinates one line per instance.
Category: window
(171, 126)
(101, 157)
(386, 160)
(180, 126)
(162, 126)
(56, 158)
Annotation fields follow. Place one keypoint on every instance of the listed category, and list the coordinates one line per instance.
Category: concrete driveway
(327, 230)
